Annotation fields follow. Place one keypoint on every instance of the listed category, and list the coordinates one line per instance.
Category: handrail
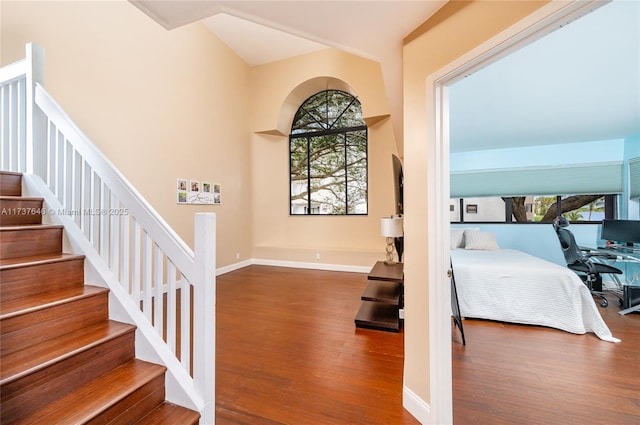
(13, 71)
(156, 226)
(129, 246)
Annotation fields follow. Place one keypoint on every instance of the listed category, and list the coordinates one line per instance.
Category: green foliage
(328, 156)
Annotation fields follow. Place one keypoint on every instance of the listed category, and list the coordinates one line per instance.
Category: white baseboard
(293, 264)
(313, 266)
(233, 267)
(416, 406)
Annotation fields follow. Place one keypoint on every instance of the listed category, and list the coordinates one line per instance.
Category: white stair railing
(157, 279)
(13, 117)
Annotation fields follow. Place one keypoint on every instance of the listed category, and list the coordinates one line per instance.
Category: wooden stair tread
(14, 227)
(18, 364)
(63, 361)
(33, 260)
(88, 401)
(19, 198)
(168, 413)
(25, 305)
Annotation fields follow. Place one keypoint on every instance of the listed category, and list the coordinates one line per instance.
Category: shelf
(387, 272)
(383, 292)
(382, 298)
(380, 316)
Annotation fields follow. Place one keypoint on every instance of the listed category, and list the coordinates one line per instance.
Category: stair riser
(10, 184)
(57, 367)
(40, 278)
(18, 243)
(31, 328)
(20, 211)
(34, 391)
(135, 406)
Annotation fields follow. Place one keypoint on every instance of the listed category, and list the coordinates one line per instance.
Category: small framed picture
(194, 186)
(182, 197)
(206, 187)
(181, 185)
(217, 195)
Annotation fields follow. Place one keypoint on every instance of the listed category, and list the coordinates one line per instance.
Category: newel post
(204, 314)
(36, 121)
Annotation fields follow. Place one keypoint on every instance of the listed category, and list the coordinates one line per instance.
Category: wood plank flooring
(288, 353)
(517, 374)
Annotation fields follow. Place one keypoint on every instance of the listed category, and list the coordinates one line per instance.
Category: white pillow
(477, 239)
(456, 238)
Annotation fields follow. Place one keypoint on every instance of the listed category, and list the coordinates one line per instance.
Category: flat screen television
(398, 184)
(622, 231)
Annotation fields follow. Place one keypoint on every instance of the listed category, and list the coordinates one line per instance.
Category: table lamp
(390, 228)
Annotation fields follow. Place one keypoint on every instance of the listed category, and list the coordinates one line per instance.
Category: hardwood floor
(288, 353)
(516, 374)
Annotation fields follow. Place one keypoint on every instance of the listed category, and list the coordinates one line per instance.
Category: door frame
(545, 20)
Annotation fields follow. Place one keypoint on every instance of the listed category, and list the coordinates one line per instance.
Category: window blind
(634, 178)
(604, 178)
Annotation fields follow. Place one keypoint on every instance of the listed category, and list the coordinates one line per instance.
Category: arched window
(328, 156)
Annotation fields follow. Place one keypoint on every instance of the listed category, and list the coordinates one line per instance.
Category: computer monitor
(623, 231)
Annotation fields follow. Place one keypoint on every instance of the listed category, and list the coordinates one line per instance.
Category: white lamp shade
(391, 227)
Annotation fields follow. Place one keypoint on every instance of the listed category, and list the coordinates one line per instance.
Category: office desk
(628, 261)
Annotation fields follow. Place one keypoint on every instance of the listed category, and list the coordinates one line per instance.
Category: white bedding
(512, 286)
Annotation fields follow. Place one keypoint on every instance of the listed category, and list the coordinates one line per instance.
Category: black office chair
(582, 262)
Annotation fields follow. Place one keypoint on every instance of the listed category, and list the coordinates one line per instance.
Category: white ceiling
(579, 83)
(275, 30)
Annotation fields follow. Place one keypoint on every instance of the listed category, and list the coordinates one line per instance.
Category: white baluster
(5, 141)
(85, 222)
(51, 155)
(171, 306)
(124, 252)
(59, 166)
(147, 289)
(76, 194)
(114, 238)
(185, 323)
(103, 219)
(158, 281)
(94, 204)
(135, 290)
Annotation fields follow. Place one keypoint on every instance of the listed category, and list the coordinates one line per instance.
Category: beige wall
(160, 104)
(277, 90)
(167, 104)
(453, 31)
(174, 104)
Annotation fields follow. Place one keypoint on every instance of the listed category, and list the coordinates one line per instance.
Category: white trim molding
(545, 20)
(313, 266)
(416, 406)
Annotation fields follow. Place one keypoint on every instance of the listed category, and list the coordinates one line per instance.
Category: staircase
(62, 361)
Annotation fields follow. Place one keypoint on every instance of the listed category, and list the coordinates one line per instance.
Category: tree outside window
(328, 156)
(536, 209)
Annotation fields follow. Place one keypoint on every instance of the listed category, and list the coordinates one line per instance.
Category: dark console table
(382, 299)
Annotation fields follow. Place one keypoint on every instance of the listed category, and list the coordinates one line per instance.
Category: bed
(511, 286)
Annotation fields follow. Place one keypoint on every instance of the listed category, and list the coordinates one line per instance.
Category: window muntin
(328, 156)
(533, 209)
